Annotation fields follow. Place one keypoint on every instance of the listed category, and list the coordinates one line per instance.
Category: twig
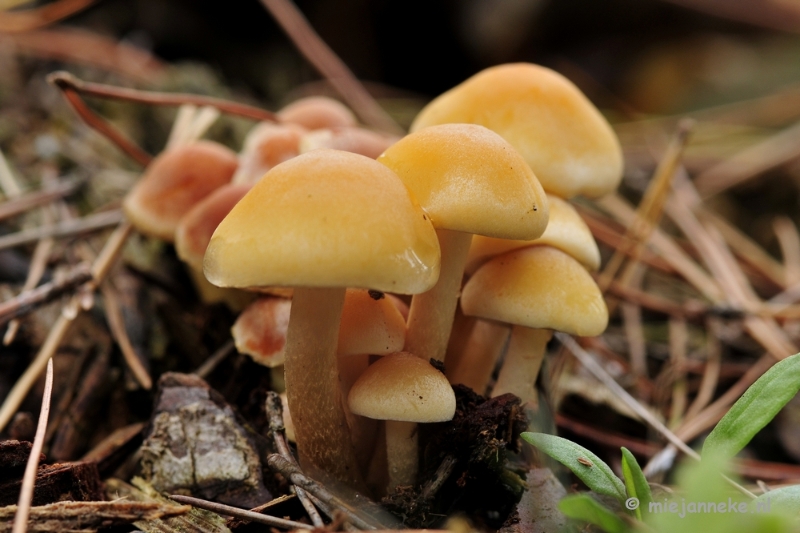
(100, 269)
(27, 301)
(69, 83)
(443, 471)
(216, 358)
(292, 472)
(711, 375)
(789, 241)
(274, 409)
(239, 513)
(327, 63)
(678, 337)
(30, 200)
(99, 124)
(117, 326)
(592, 366)
(30, 19)
(67, 228)
(8, 183)
(29, 478)
(750, 162)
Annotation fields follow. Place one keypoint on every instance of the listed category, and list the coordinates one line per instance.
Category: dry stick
(711, 247)
(678, 337)
(67, 228)
(27, 301)
(216, 358)
(100, 269)
(239, 513)
(634, 332)
(665, 247)
(117, 326)
(8, 183)
(29, 478)
(30, 19)
(327, 63)
(38, 264)
(25, 202)
(789, 241)
(747, 250)
(649, 210)
(69, 83)
(292, 472)
(592, 366)
(274, 409)
(711, 373)
(750, 162)
(99, 124)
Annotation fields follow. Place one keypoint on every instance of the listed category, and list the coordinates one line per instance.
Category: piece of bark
(537, 511)
(196, 520)
(196, 445)
(58, 482)
(13, 457)
(66, 517)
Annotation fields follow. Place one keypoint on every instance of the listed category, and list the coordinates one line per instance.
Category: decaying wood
(56, 482)
(68, 517)
(191, 519)
(195, 443)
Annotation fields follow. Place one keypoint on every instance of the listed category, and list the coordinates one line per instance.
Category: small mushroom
(350, 139)
(321, 222)
(175, 182)
(267, 145)
(470, 181)
(317, 112)
(403, 390)
(536, 289)
(563, 137)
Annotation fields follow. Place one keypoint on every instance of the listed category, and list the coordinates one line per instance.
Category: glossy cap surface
(326, 219)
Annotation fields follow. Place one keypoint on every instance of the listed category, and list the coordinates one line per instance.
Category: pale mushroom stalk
(312, 387)
(524, 357)
(401, 452)
(474, 365)
(430, 318)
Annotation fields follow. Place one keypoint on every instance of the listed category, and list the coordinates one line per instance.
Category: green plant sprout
(703, 500)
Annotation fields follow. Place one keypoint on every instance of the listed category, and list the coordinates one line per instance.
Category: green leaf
(587, 466)
(786, 499)
(635, 482)
(584, 507)
(757, 406)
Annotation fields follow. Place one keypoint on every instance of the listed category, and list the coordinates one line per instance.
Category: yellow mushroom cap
(470, 179)
(403, 387)
(537, 287)
(174, 182)
(566, 230)
(563, 137)
(326, 219)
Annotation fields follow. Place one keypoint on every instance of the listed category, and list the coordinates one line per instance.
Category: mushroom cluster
(341, 220)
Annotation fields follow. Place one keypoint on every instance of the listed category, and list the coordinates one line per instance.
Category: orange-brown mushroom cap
(175, 182)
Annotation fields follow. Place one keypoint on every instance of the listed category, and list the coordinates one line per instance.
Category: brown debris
(79, 517)
(58, 482)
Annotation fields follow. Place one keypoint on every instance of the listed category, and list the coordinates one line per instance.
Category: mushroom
(174, 182)
(348, 138)
(536, 289)
(192, 234)
(403, 390)
(317, 112)
(265, 146)
(321, 222)
(563, 137)
(469, 180)
(566, 231)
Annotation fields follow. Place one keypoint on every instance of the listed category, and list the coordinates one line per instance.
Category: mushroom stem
(312, 384)
(401, 452)
(431, 315)
(364, 430)
(475, 365)
(520, 369)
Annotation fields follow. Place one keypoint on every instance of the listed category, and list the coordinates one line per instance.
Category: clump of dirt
(465, 465)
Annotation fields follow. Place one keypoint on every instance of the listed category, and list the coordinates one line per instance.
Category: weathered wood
(58, 482)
